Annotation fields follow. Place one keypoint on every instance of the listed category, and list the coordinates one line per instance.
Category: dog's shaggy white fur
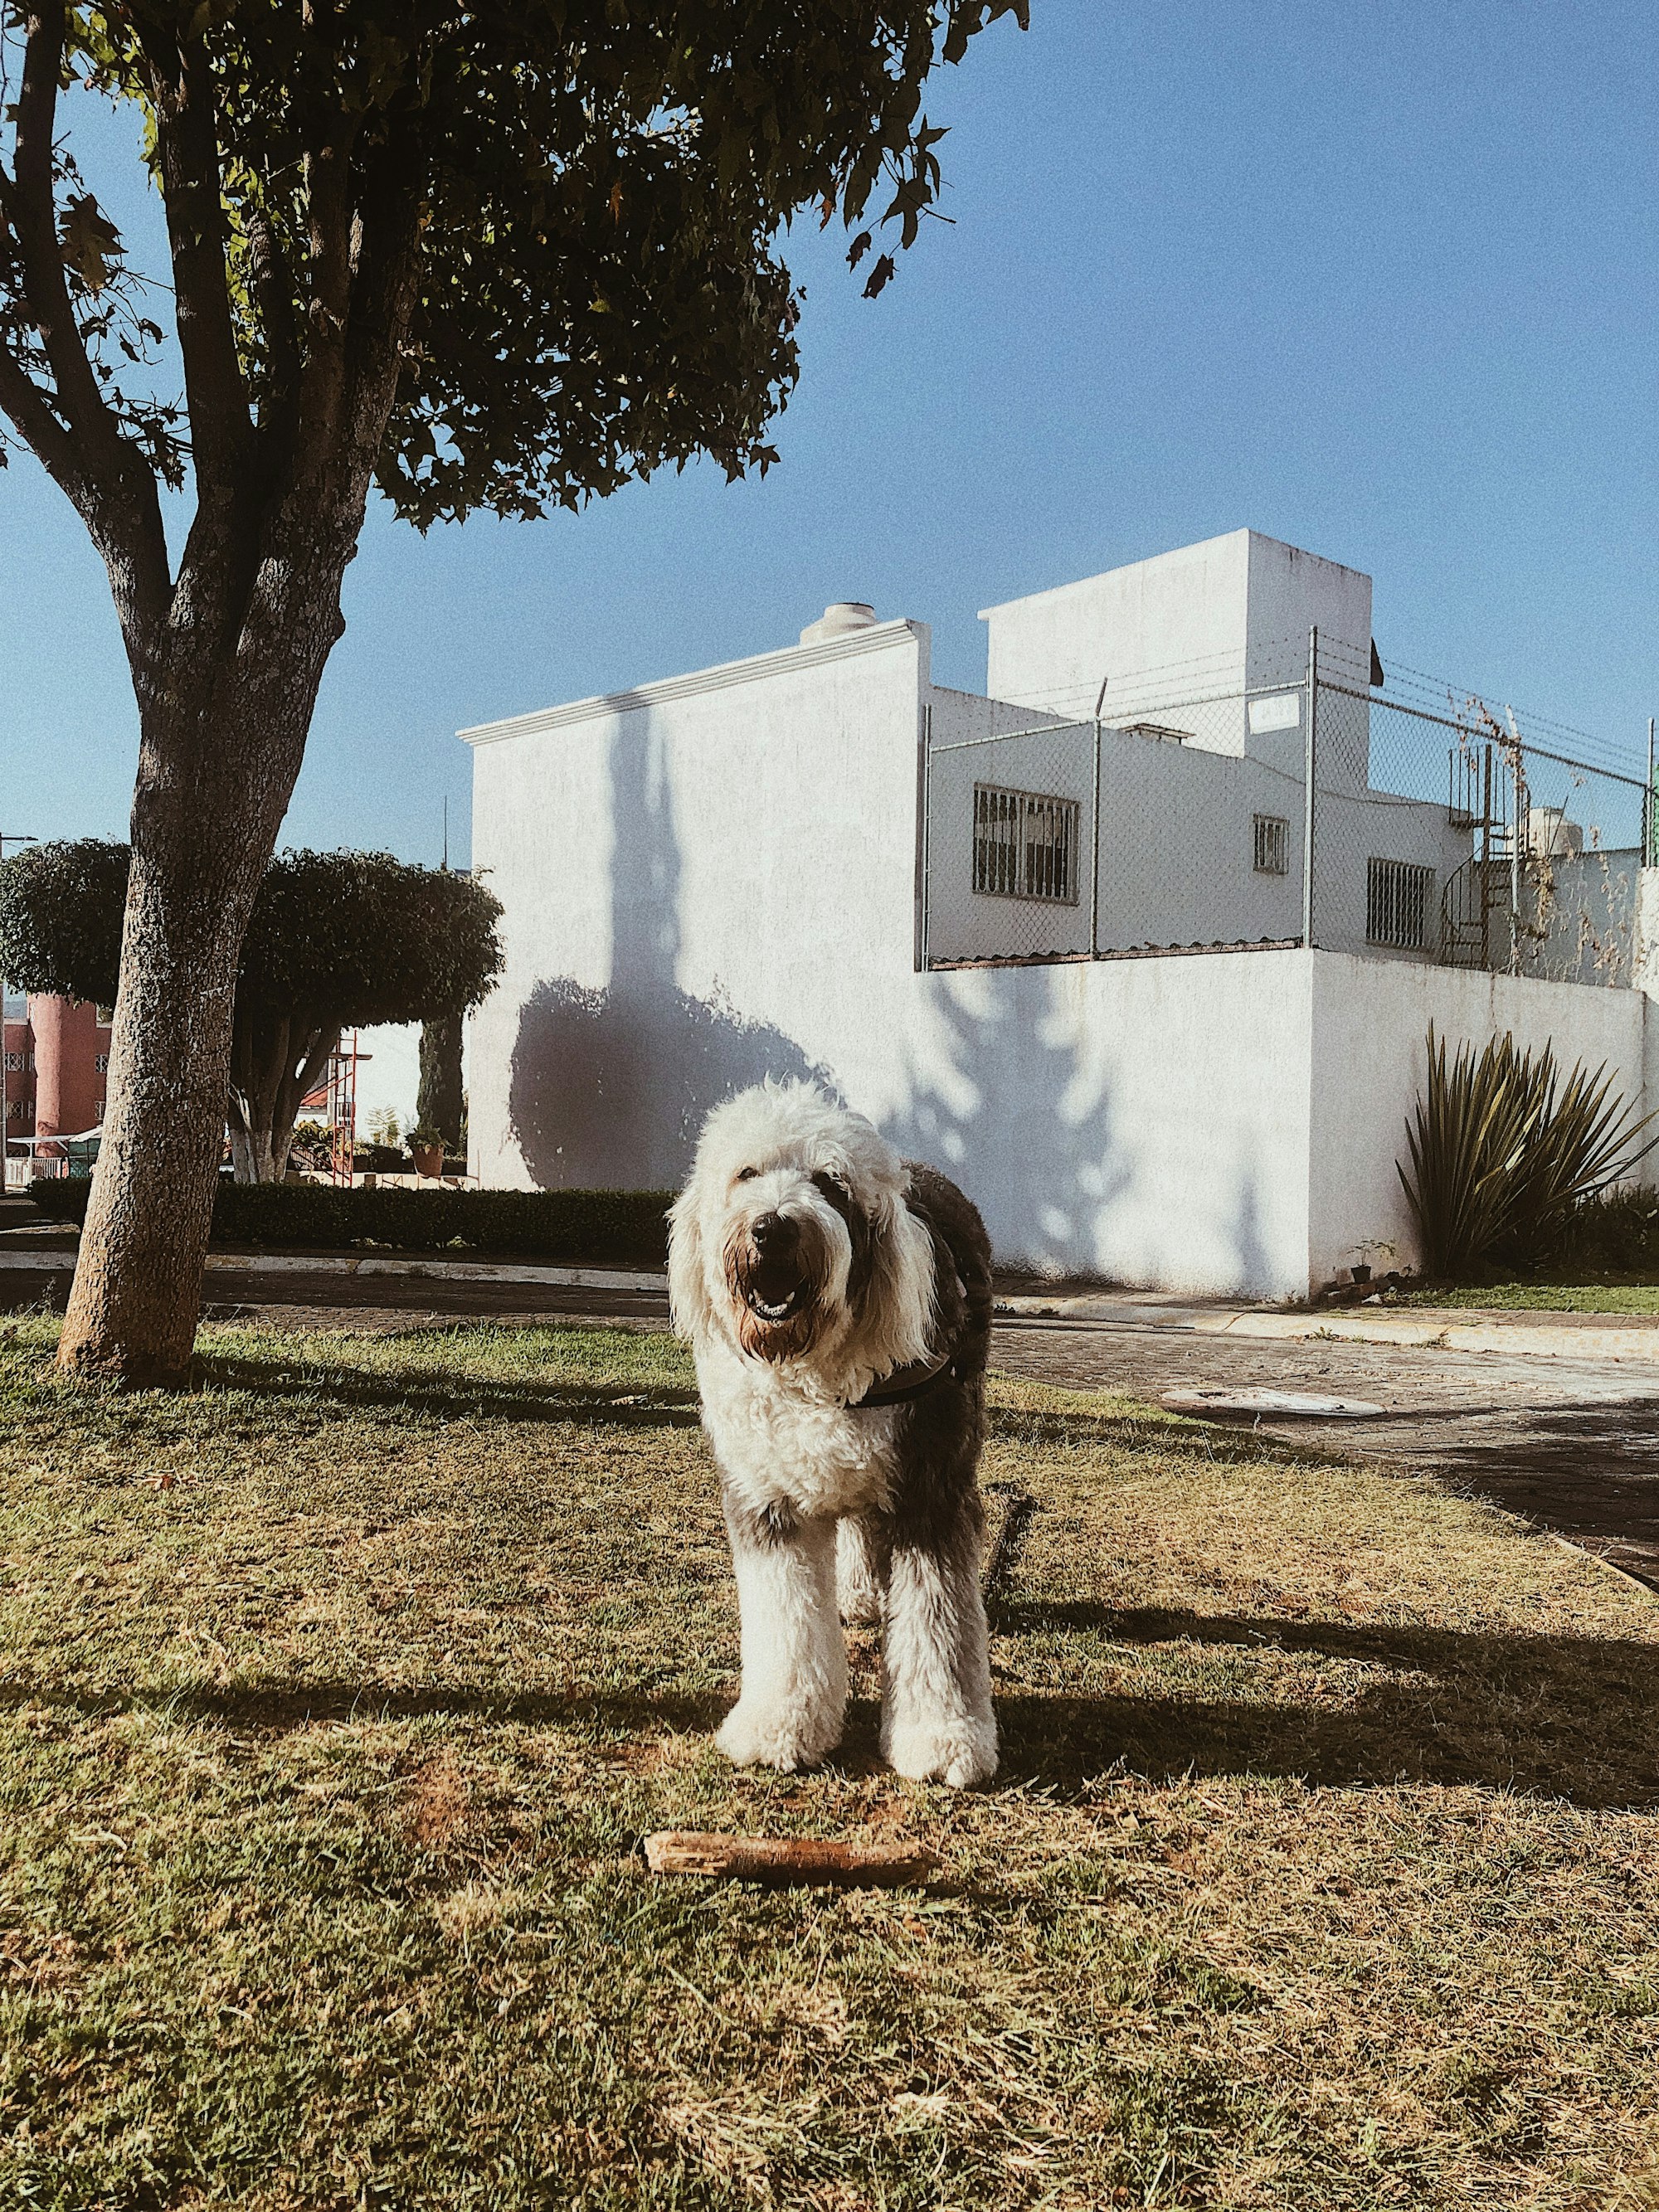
(810, 1266)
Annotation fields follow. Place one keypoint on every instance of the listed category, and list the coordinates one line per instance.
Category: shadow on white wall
(609, 1087)
(1007, 1097)
(996, 1100)
(994, 1077)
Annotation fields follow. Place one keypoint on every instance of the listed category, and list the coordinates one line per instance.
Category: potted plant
(426, 1149)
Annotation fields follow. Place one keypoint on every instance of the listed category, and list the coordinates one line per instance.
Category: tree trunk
(278, 1054)
(439, 1102)
(137, 1288)
(216, 767)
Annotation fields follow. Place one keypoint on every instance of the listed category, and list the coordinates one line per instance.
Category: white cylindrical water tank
(839, 619)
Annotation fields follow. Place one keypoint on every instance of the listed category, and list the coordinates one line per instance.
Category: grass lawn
(1619, 1295)
(1323, 1871)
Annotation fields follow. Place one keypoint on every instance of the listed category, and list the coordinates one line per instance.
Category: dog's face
(778, 1235)
(795, 1239)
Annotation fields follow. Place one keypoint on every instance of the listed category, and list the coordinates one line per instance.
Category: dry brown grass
(1322, 1871)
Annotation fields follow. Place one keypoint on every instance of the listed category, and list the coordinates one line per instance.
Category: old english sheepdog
(838, 1302)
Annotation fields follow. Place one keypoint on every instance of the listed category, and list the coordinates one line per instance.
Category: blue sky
(1380, 279)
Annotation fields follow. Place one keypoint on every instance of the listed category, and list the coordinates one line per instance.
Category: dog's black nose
(774, 1232)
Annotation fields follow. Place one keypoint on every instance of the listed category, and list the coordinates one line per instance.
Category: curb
(1435, 1332)
(44, 1259)
(1429, 1329)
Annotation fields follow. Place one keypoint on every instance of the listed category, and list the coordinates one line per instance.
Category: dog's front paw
(784, 1736)
(958, 1753)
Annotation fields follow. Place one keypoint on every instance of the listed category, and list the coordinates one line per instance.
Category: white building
(759, 868)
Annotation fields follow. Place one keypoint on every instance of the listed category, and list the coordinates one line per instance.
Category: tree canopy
(363, 938)
(564, 215)
(337, 940)
(499, 254)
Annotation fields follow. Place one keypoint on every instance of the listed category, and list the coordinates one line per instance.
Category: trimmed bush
(1616, 1233)
(611, 1228)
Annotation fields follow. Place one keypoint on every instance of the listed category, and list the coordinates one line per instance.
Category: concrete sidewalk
(45, 1256)
(1517, 1333)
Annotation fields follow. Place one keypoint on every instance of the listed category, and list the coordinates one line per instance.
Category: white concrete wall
(1290, 593)
(714, 879)
(1176, 849)
(1208, 623)
(964, 924)
(705, 880)
(1188, 608)
(1143, 1119)
(1369, 1062)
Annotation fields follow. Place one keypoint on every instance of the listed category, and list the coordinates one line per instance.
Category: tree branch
(273, 289)
(383, 306)
(30, 409)
(110, 485)
(33, 211)
(319, 1047)
(187, 145)
(322, 386)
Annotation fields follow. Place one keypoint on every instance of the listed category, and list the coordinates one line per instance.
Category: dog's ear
(688, 1303)
(861, 1235)
(860, 1273)
(897, 1306)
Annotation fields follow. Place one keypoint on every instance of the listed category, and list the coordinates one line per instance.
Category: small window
(101, 1063)
(1273, 845)
(1025, 845)
(105, 1016)
(1397, 903)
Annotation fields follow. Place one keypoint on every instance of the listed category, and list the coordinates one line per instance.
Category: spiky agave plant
(1500, 1163)
(1466, 1138)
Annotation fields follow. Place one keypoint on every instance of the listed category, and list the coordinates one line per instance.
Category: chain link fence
(1439, 828)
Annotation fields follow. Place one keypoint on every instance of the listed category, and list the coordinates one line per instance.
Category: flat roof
(877, 637)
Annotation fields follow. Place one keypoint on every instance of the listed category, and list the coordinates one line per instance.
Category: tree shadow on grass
(278, 1707)
(1553, 1717)
(452, 1397)
(1556, 1716)
(1150, 1429)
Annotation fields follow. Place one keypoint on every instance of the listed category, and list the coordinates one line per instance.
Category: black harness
(905, 1383)
(915, 1381)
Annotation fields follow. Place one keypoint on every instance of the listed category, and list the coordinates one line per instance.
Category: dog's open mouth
(774, 1294)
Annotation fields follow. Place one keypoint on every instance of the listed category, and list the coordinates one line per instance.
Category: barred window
(1025, 844)
(1273, 845)
(101, 1063)
(1397, 903)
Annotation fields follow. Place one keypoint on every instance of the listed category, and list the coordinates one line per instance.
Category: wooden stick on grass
(786, 1858)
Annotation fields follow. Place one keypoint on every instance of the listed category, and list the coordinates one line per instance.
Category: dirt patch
(441, 1810)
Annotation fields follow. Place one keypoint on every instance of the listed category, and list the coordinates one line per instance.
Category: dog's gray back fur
(941, 1432)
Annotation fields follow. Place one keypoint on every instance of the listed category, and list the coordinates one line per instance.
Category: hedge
(622, 1228)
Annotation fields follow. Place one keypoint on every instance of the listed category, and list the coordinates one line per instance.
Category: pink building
(57, 1067)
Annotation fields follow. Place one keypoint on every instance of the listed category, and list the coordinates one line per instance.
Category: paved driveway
(1573, 1446)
